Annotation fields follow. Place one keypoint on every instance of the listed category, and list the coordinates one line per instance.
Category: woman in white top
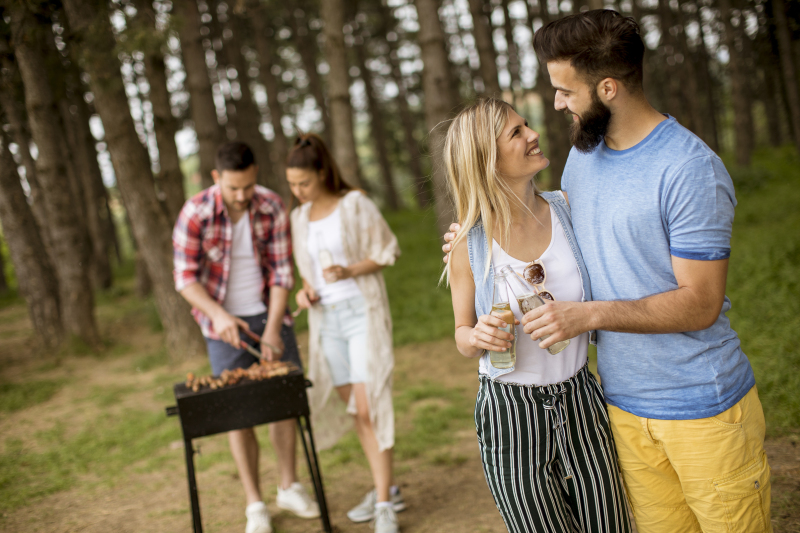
(545, 442)
(341, 242)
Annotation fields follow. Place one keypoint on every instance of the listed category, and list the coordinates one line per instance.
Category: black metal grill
(246, 404)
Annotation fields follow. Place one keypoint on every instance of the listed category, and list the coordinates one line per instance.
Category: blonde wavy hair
(470, 159)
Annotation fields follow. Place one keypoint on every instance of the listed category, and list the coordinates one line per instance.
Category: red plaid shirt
(202, 239)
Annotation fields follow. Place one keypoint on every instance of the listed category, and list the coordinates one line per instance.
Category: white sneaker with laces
(257, 518)
(365, 511)
(385, 520)
(296, 500)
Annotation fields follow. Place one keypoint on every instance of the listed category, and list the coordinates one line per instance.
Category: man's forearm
(198, 297)
(278, 297)
(668, 312)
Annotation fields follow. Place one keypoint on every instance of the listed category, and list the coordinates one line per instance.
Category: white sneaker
(385, 520)
(257, 518)
(296, 500)
(365, 511)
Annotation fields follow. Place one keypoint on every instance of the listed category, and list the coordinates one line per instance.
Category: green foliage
(16, 396)
(764, 281)
(102, 449)
(421, 309)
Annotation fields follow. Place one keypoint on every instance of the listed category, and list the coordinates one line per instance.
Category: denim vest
(478, 247)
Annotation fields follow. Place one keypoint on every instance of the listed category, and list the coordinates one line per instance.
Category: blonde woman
(341, 244)
(547, 450)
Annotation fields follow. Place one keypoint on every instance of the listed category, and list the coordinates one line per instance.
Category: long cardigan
(365, 235)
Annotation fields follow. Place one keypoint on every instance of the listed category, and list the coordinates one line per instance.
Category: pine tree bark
(709, 118)
(13, 103)
(36, 277)
(170, 177)
(556, 127)
(266, 57)
(246, 108)
(134, 177)
(406, 117)
(482, 31)
(742, 112)
(341, 110)
(440, 96)
(788, 67)
(71, 254)
(198, 84)
(306, 45)
(512, 52)
(377, 127)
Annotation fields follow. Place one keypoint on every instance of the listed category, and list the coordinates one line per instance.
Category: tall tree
(3, 279)
(512, 51)
(556, 128)
(134, 176)
(68, 237)
(482, 31)
(377, 125)
(201, 100)
(247, 110)
(740, 94)
(341, 110)
(263, 36)
(440, 95)
(36, 278)
(150, 40)
(709, 116)
(306, 44)
(788, 64)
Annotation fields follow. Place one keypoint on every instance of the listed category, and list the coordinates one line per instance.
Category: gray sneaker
(365, 511)
(385, 521)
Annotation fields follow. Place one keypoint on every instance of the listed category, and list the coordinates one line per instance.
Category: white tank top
(245, 279)
(534, 365)
(326, 233)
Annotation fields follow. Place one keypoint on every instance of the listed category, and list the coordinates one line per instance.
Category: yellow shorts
(685, 476)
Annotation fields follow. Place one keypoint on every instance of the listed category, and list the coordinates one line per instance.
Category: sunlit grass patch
(16, 396)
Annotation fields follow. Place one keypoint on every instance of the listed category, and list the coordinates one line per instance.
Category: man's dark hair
(599, 44)
(234, 155)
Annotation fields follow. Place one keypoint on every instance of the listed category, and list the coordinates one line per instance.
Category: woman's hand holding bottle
(487, 334)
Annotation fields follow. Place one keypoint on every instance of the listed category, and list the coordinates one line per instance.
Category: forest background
(110, 115)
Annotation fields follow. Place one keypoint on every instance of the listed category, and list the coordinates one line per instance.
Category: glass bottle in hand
(528, 299)
(501, 308)
(324, 255)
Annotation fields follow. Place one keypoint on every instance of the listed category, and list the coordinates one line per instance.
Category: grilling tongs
(252, 351)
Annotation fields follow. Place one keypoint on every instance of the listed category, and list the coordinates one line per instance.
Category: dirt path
(445, 489)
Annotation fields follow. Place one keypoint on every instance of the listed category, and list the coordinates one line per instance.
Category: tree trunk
(69, 239)
(306, 45)
(788, 67)
(341, 110)
(134, 177)
(691, 92)
(742, 113)
(246, 109)
(170, 177)
(13, 106)
(709, 120)
(377, 127)
(406, 117)
(3, 279)
(555, 125)
(36, 278)
(198, 84)
(512, 52)
(265, 47)
(440, 97)
(482, 31)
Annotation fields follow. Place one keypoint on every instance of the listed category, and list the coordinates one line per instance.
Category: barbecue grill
(246, 404)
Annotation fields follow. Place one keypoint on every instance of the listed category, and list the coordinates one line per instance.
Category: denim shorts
(223, 356)
(344, 340)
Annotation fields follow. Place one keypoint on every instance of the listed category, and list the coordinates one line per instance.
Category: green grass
(16, 396)
(764, 281)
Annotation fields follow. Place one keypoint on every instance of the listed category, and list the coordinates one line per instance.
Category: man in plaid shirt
(233, 264)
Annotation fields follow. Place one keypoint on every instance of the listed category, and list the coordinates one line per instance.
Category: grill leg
(313, 468)
(189, 450)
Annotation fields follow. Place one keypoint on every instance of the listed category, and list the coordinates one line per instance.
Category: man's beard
(587, 132)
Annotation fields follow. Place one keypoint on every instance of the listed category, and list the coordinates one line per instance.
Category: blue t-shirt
(631, 210)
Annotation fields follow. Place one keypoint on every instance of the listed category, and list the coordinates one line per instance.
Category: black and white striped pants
(549, 457)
